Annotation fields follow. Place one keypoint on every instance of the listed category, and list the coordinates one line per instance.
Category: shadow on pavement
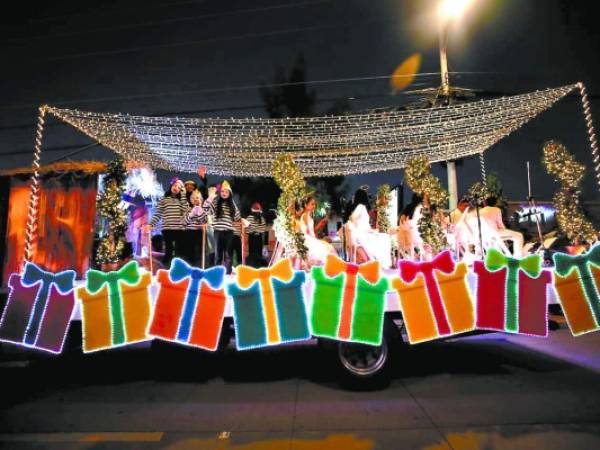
(167, 362)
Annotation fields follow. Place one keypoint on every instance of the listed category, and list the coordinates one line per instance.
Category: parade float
(437, 295)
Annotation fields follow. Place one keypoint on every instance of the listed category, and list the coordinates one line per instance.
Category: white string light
(587, 112)
(321, 146)
(31, 227)
(482, 167)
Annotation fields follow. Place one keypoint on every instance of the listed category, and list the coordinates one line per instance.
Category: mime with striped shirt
(171, 212)
(225, 212)
(195, 223)
(256, 228)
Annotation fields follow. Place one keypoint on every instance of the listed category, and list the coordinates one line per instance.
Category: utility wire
(125, 50)
(226, 89)
(159, 22)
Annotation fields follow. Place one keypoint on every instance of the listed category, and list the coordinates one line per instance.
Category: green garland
(115, 219)
(293, 189)
(383, 200)
(479, 192)
(431, 231)
(420, 180)
(567, 200)
(494, 188)
(491, 188)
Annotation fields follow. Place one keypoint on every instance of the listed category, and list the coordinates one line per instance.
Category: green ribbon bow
(531, 265)
(95, 280)
(564, 264)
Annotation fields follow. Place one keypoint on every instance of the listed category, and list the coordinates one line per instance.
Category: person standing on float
(194, 233)
(224, 212)
(171, 212)
(256, 230)
(195, 224)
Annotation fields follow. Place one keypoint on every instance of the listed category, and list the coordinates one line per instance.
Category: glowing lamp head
(453, 9)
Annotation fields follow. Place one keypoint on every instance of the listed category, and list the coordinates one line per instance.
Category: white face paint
(196, 199)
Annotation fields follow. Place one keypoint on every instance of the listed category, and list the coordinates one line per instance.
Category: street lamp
(449, 10)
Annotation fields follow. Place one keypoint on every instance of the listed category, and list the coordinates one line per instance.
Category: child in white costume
(377, 246)
(317, 248)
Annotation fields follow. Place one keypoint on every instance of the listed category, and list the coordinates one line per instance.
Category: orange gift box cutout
(115, 311)
(205, 306)
(417, 311)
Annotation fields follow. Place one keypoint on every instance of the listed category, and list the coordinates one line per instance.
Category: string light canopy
(321, 146)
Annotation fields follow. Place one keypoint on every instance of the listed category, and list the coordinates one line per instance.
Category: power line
(211, 40)
(161, 22)
(115, 9)
(221, 89)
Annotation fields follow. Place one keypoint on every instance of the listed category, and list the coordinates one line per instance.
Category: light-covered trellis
(321, 146)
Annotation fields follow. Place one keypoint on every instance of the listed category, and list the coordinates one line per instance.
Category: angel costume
(317, 248)
(376, 245)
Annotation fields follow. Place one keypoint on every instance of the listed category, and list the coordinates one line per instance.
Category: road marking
(117, 436)
(10, 364)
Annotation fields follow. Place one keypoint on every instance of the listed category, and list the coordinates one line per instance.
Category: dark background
(207, 58)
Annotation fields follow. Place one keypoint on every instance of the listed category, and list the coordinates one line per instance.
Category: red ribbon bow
(443, 263)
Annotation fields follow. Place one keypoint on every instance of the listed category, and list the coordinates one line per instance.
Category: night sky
(206, 58)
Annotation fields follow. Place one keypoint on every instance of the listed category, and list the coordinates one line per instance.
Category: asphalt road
(476, 393)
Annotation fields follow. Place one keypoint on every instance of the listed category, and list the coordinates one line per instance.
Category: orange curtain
(66, 214)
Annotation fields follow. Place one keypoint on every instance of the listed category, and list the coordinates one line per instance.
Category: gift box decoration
(511, 294)
(434, 298)
(190, 305)
(268, 305)
(115, 307)
(38, 309)
(577, 283)
(348, 301)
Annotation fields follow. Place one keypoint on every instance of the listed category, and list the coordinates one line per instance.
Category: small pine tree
(114, 219)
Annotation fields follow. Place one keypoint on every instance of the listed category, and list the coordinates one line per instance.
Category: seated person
(492, 215)
(318, 249)
(407, 234)
(455, 215)
(377, 246)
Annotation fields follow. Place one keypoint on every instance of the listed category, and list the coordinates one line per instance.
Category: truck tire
(368, 367)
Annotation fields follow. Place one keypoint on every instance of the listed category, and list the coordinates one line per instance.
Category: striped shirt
(171, 212)
(196, 218)
(224, 222)
(237, 229)
(256, 226)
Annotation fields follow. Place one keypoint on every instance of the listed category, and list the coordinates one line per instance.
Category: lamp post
(449, 10)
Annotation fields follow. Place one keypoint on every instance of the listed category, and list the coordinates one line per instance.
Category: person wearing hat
(224, 212)
(195, 225)
(257, 232)
(191, 185)
(171, 212)
(193, 231)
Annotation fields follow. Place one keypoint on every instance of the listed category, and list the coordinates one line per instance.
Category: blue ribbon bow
(181, 270)
(63, 281)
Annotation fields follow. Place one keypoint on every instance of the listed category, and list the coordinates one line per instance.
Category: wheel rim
(362, 360)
